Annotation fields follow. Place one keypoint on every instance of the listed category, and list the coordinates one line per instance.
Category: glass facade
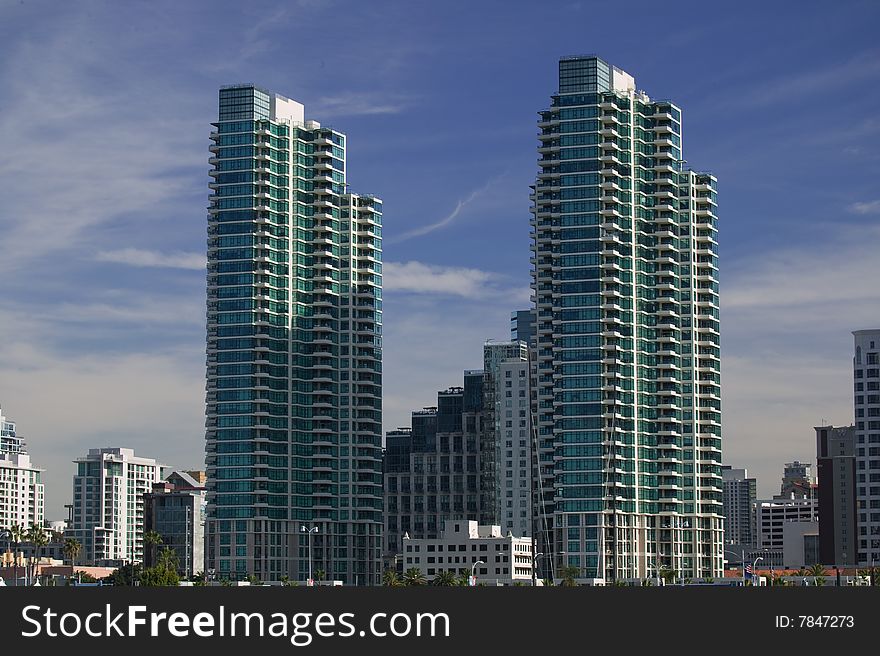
(627, 372)
(294, 324)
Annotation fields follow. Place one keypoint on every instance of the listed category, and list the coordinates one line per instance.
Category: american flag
(748, 569)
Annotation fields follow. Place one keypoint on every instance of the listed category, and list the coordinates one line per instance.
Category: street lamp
(742, 561)
(6, 534)
(473, 568)
(754, 572)
(535, 557)
(309, 531)
(657, 570)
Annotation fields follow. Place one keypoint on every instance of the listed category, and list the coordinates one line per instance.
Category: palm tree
(320, 575)
(817, 570)
(17, 534)
(777, 579)
(446, 578)
(168, 559)
(391, 578)
(37, 536)
(667, 574)
(414, 576)
(152, 539)
(71, 549)
(569, 573)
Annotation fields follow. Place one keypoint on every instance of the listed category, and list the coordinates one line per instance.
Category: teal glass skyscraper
(627, 369)
(294, 374)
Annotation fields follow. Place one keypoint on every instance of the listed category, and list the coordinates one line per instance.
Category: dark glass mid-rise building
(866, 401)
(836, 471)
(433, 471)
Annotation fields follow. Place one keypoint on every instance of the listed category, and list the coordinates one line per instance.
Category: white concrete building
(771, 518)
(800, 544)
(465, 546)
(107, 514)
(506, 386)
(21, 484)
(740, 493)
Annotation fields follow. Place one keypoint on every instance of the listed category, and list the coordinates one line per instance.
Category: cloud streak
(857, 69)
(81, 138)
(360, 103)
(869, 207)
(446, 220)
(469, 283)
(842, 270)
(145, 258)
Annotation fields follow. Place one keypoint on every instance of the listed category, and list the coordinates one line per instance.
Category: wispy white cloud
(857, 69)
(420, 278)
(868, 207)
(91, 132)
(360, 103)
(146, 258)
(840, 269)
(449, 218)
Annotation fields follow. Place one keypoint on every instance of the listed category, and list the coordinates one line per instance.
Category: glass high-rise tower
(627, 378)
(294, 353)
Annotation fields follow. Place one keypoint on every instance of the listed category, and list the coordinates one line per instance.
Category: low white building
(772, 516)
(465, 546)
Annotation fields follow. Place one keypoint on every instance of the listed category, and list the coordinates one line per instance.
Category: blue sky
(104, 120)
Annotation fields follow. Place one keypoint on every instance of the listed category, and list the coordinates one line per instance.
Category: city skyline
(103, 310)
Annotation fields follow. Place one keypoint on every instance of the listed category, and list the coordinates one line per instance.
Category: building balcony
(663, 140)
